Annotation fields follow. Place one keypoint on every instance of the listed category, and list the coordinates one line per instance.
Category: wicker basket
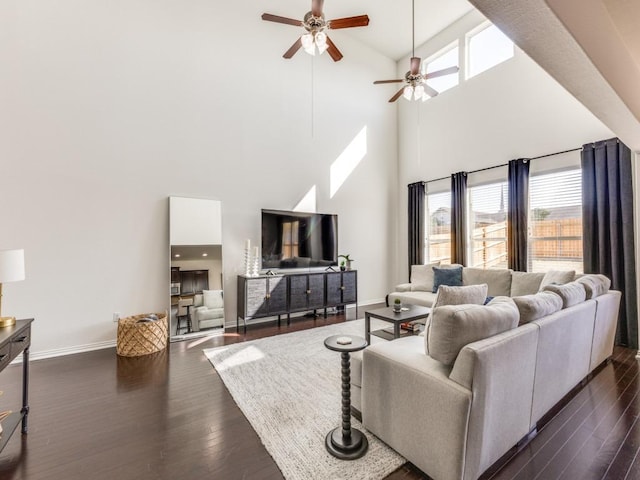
(141, 338)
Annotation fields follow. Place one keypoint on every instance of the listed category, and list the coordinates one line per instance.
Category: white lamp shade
(408, 92)
(418, 92)
(11, 265)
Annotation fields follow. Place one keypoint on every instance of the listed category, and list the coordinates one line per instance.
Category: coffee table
(414, 312)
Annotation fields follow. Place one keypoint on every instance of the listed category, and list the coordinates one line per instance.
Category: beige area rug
(288, 387)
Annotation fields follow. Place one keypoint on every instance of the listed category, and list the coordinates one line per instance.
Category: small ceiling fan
(416, 83)
(315, 26)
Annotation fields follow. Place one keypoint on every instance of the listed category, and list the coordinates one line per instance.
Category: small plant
(346, 263)
(397, 305)
(398, 301)
(346, 257)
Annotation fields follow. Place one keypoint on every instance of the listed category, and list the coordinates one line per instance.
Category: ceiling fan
(416, 83)
(315, 26)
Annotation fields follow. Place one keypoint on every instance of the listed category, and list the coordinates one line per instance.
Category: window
(555, 221)
(487, 214)
(290, 239)
(440, 61)
(487, 48)
(438, 227)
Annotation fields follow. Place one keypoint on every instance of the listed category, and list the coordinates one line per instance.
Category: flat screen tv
(298, 240)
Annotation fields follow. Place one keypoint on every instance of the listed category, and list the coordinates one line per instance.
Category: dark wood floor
(168, 416)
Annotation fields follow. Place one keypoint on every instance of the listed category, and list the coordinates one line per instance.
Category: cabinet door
(277, 295)
(316, 291)
(350, 287)
(256, 297)
(188, 283)
(201, 280)
(297, 292)
(175, 274)
(334, 291)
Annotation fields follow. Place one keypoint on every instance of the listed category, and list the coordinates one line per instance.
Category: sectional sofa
(454, 401)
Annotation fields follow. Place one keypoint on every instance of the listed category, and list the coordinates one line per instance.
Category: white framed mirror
(196, 268)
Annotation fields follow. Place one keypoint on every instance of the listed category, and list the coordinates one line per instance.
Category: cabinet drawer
(5, 355)
(20, 342)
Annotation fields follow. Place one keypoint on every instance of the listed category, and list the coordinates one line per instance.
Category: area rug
(288, 387)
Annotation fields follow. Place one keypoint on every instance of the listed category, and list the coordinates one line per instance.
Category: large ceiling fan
(415, 82)
(315, 26)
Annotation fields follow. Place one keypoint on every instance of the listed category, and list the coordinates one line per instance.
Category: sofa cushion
(525, 283)
(541, 304)
(454, 326)
(557, 277)
(497, 279)
(212, 298)
(422, 277)
(571, 293)
(451, 276)
(595, 285)
(403, 287)
(425, 299)
(469, 294)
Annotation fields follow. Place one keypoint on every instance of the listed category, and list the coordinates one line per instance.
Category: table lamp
(11, 270)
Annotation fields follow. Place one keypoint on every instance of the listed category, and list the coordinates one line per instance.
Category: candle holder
(247, 261)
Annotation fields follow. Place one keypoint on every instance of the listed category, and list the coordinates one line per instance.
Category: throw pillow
(525, 283)
(451, 276)
(213, 298)
(595, 285)
(470, 294)
(454, 326)
(557, 277)
(533, 307)
(571, 293)
(422, 277)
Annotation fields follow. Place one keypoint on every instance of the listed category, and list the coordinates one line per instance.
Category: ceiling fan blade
(377, 82)
(294, 48)
(429, 90)
(415, 65)
(316, 8)
(347, 22)
(440, 73)
(333, 50)
(397, 95)
(275, 18)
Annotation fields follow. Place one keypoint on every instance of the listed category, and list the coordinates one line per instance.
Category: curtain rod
(506, 164)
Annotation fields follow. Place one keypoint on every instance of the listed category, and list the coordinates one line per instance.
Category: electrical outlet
(116, 316)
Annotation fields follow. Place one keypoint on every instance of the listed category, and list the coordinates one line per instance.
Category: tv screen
(298, 240)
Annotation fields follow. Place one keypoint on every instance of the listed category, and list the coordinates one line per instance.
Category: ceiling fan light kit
(315, 25)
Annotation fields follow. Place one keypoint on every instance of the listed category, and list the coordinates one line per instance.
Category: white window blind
(487, 220)
(555, 221)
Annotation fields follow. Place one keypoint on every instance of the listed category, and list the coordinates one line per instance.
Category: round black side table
(344, 442)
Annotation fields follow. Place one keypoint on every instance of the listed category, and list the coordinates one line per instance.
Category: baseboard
(58, 352)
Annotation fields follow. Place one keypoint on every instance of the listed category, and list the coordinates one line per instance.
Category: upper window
(555, 221)
(487, 214)
(450, 58)
(438, 231)
(487, 48)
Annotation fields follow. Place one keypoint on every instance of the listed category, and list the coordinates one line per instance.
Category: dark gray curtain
(517, 214)
(459, 218)
(416, 224)
(607, 215)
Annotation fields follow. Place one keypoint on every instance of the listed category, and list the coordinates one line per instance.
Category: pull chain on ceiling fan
(315, 36)
(416, 83)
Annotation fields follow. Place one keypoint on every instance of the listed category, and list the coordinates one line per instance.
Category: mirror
(196, 285)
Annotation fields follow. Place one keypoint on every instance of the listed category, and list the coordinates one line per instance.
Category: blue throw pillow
(446, 276)
(488, 299)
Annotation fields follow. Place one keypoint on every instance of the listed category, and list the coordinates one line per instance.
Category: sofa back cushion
(469, 294)
(525, 283)
(454, 326)
(497, 279)
(594, 285)
(557, 277)
(213, 298)
(571, 293)
(422, 277)
(447, 275)
(541, 304)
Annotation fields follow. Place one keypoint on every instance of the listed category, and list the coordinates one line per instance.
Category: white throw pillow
(213, 298)
(470, 294)
(557, 277)
(422, 277)
(541, 304)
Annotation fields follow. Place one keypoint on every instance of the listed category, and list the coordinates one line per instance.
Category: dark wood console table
(13, 341)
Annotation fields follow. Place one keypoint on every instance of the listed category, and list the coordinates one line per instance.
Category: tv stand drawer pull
(2, 357)
(20, 339)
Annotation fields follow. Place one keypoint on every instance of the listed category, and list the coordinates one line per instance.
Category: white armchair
(208, 310)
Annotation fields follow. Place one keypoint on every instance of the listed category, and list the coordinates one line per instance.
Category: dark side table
(344, 442)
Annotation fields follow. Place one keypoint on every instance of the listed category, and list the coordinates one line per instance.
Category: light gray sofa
(208, 310)
(454, 418)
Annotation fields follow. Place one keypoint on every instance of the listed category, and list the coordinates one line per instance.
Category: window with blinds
(555, 221)
(438, 227)
(487, 233)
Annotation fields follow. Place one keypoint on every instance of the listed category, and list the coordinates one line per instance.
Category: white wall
(108, 108)
(510, 111)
